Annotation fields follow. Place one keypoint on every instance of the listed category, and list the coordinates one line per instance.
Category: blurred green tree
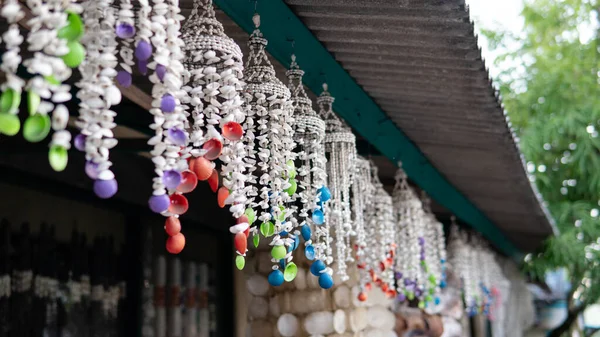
(550, 86)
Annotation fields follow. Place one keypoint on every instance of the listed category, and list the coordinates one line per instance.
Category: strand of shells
(11, 58)
(340, 145)
(125, 30)
(97, 94)
(361, 190)
(268, 99)
(50, 70)
(314, 195)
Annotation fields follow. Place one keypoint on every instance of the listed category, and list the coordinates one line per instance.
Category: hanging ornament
(97, 94)
(56, 29)
(436, 252)
(215, 63)
(361, 203)
(269, 144)
(340, 147)
(11, 58)
(125, 30)
(309, 134)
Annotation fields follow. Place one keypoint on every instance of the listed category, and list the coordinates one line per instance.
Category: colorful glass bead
(105, 189)
(159, 203)
(275, 278)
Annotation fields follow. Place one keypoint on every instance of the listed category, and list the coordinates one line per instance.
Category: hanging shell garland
(361, 203)
(269, 145)
(340, 147)
(215, 64)
(97, 94)
(314, 195)
(125, 30)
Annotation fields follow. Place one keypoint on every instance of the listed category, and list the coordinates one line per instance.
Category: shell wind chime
(215, 64)
(309, 134)
(362, 189)
(270, 164)
(54, 41)
(340, 146)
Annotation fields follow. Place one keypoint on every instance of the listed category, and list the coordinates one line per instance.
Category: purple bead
(159, 203)
(171, 179)
(124, 78)
(418, 292)
(421, 241)
(177, 136)
(398, 275)
(80, 142)
(143, 67)
(410, 287)
(401, 297)
(407, 282)
(105, 189)
(167, 103)
(143, 51)
(422, 256)
(91, 169)
(125, 30)
(161, 71)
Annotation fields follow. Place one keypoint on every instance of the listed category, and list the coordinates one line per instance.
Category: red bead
(241, 242)
(213, 181)
(222, 195)
(233, 131)
(384, 287)
(175, 243)
(213, 148)
(202, 167)
(242, 219)
(368, 287)
(179, 204)
(172, 226)
(362, 297)
(391, 293)
(189, 180)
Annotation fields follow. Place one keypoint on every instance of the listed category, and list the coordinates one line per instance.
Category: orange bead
(189, 180)
(175, 243)
(362, 297)
(368, 287)
(213, 181)
(179, 204)
(172, 226)
(391, 293)
(384, 287)
(213, 148)
(233, 131)
(241, 242)
(242, 219)
(222, 195)
(202, 167)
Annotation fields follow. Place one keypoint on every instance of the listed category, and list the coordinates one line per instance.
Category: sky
(496, 15)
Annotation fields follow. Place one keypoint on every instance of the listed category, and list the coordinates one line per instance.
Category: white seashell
(113, 95)
(287, 325)
(60, 117)
(106, 175)
(239, 227)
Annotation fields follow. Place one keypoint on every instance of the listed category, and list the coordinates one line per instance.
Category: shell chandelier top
(215, 64)
(340, 146)
(314, 195)
(269, 145)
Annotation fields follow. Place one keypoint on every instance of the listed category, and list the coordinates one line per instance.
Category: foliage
(550, 86)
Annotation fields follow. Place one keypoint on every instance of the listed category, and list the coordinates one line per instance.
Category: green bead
(9, 124)
(410, 295)
(58, 158)
(250, 214)
(256, 240)
(290, 272)
(267, 229)
(33, 102)
(75, 56)
(293, 187)
(421, 305)
(240, 262)
(281, 216)
(278, 252)
(432, 279)
(36, 127)
(428, 298)
(74, 29)
(9, 101)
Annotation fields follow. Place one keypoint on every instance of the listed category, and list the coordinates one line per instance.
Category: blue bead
(325, 281)
(317, 217)
(309, 252)
(275, 278)
(283, 233)
(306, 232)
(437, 301)
(443, 261)
(295, 244)
(443, 284)
(325, 194)
(317, 267)
(282, 263)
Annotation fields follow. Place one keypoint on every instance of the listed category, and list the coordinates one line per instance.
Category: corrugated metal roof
(419, 61)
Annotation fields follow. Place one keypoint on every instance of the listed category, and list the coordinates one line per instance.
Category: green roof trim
(281, 26)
